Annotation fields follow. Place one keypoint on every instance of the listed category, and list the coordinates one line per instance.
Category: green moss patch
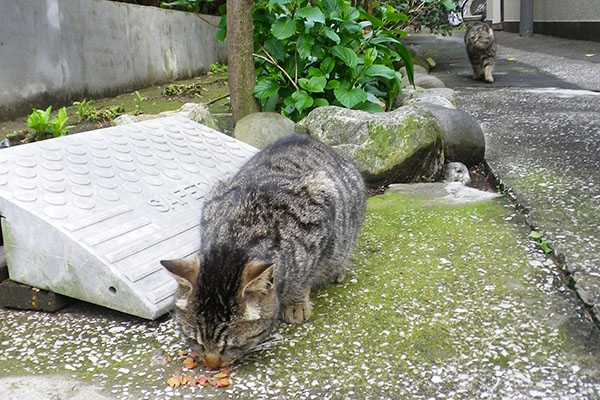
(440, 302)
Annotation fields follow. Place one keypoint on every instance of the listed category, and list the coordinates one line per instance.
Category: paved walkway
(541, 118)
(443, 301)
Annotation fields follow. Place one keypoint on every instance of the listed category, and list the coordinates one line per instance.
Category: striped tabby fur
(283, 225)
(481, 49)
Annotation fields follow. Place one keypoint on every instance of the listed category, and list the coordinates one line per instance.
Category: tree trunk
(240, 63)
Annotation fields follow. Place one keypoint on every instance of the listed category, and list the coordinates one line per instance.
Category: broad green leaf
(275, 48)
(350, 97)
(327, 65)
(312, 71)
(380, 71)
(316, 84)
(266, 86)
(376, 22)
(345, 54)
(318, 52)
(283, 28)
(351, 13)
(321, 102)
(304, 46)
(384, 39)
(351, 27)
(391, 15)
(271, 103)
(312, 14)
(273, 3)
(370, 107)
(535, 234)
(302, 100)
(332, 8)
(370, 56)
(408, 62)
(333, 84)
(330, 33)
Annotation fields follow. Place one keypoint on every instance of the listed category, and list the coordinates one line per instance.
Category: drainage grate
(90, 215)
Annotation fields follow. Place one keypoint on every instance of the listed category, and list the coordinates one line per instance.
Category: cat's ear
(257, 278)
(485, 27)
(185, 271)
(183, 268)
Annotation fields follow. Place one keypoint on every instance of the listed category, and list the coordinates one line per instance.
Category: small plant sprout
(58, 123)
(42, 125)
(138, 102)
(85, 109)
(218, 67)
(39, 121)
(542, 242)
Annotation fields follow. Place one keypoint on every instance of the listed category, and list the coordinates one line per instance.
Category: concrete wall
(574, 19)
(57, 51)
(556, 10)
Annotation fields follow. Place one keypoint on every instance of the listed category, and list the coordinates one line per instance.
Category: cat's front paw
(339, 278)
(297, 313)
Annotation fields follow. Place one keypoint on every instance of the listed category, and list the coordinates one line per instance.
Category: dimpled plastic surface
(91, 215)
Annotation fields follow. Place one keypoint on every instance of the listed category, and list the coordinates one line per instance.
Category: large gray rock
(443, 97)
(195, 111)
(261, 129)
(404, 145)
(463, 138)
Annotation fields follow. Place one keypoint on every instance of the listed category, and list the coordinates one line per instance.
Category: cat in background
(481, 49)
(283, 225)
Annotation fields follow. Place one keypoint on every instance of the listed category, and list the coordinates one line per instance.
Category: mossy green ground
(209, 87)
(440, 302)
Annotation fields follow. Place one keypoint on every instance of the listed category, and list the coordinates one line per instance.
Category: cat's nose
(213, 361)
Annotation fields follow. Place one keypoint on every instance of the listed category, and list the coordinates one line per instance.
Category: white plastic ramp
(91, 215)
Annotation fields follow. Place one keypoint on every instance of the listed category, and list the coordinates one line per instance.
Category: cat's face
(482, 36)
(223, 317)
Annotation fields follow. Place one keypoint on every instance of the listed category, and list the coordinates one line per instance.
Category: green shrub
(316, 54)
(321, 52)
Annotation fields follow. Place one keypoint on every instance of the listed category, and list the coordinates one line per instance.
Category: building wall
(57, 51)
(575, 19)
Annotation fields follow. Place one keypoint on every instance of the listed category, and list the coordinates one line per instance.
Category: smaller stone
(116, 329)
(428, 81)
(442, 97)
(262, 129)
(418, 69)
(457, 172)
(24, 297)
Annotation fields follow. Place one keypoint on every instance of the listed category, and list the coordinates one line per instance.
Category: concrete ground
(446, 299)
(443, 301)
(541, 119)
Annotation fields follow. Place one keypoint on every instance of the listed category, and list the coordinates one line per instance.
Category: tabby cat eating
(283, 225)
